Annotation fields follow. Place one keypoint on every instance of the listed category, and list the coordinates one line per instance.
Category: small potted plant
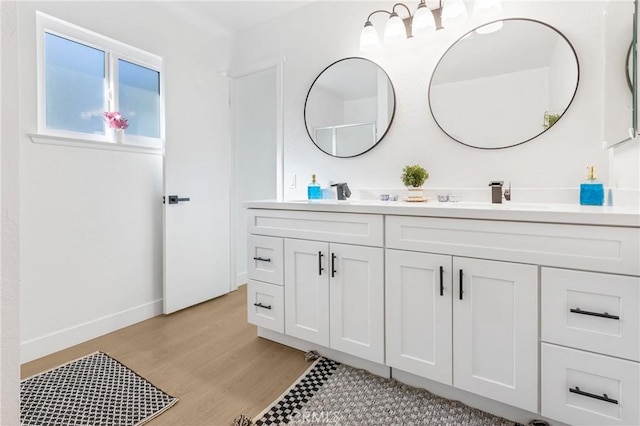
(413, 177)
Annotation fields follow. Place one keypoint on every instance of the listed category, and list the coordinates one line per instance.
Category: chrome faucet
(497, 192)
(343, 190)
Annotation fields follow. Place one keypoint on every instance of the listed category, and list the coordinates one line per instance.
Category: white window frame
(114, 50)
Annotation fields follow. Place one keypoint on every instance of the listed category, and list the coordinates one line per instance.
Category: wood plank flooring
(206, 355)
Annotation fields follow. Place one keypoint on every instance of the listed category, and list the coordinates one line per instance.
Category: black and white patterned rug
(94, 390)
(330, 393)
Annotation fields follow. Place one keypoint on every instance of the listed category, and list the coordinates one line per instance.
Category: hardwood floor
(206, 355)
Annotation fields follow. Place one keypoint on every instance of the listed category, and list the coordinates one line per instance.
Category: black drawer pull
(320, 268)
(441, 281)
(461, 284)
(594, 314)
(333, 265)
(262, 259)
(604, 396)
(260, 305)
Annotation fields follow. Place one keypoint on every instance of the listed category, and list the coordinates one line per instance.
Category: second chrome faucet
(497, 191)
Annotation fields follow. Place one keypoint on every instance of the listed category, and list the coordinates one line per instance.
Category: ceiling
(223, 18)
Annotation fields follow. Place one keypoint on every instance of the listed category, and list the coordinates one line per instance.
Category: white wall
(323, 32)
(91, 220)
(9, 217)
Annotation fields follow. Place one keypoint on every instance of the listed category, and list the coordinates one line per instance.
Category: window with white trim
(82, 75)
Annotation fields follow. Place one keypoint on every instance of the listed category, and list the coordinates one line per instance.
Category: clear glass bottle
(313, 190)
(591, 190)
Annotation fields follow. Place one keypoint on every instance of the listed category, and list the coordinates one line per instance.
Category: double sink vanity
(532, 306)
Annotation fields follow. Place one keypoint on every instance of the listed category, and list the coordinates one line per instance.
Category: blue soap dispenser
(313, 190)
(591, 190)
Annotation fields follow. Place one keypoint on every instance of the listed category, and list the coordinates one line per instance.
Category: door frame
(278, 65)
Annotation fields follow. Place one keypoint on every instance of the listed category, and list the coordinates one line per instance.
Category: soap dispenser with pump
(314, 191)
(591, 190)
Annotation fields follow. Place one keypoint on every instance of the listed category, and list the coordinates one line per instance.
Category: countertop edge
(564, 214)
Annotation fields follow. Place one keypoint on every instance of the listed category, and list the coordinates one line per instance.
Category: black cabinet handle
(262, 259)
(441, 281)
(604, 396)
(333, 265)
(320, 268)
(594, 314)
(461, 284)
(260, 305)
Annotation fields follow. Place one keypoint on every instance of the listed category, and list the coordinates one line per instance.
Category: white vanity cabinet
(334, 296)
(590, 347)
(470, 323)
(522, 313)
(495, 330)
(418, 295)
(333, 292)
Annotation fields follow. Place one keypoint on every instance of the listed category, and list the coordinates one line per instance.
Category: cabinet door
(357, 300)
(495, 330)
(418, 314)
(306, 290)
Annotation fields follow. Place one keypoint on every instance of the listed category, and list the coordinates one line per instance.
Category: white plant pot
(415, 193)
(118, 135)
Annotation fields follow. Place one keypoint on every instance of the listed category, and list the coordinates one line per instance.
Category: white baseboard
(53, 342)
(241, 278)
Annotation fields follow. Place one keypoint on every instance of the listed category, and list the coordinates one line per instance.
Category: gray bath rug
(330, 393)
(94, 390)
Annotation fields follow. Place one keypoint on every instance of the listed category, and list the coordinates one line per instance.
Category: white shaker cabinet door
(306, 290)
(495, 330)
(418, 314)
(357, 300)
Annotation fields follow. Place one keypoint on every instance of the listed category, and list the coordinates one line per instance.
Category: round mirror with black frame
(504, 83)
(350, 107)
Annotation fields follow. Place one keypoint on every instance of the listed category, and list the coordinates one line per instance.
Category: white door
(255, 130)
(357, 300)
(495, 330)
(306, 290)
(196, 232)
(418, 314)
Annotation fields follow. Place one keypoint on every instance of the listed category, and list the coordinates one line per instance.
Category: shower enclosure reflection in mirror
(349, 107)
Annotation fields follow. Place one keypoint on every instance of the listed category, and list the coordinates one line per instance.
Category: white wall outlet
(292, 181)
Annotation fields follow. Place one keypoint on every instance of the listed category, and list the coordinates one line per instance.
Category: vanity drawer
(595, 248)
(590, 377)
(265, 305)
(592, 311)
(349, 228)
(265, 259)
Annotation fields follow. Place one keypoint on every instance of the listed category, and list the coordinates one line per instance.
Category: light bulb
(394, 31)
(423, 22)
(369, 40)
(454, 13)
(486, 8)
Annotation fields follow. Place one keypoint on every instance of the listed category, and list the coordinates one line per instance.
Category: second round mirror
(504, 83)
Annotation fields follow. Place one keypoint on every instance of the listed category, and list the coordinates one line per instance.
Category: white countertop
(512, 211)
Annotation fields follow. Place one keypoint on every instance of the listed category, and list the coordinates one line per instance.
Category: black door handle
(320, 268)
(441, 281)
(604, 396)
(174, 199)
(594, 314)
(461, 284)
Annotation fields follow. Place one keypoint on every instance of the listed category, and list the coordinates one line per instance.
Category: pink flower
(115, 120)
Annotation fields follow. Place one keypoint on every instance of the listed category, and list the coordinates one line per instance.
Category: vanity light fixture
(449, 13)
